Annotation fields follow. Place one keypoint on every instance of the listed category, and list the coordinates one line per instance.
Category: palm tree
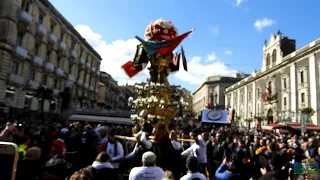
(43, 93)
(259, 120)
(308, 111)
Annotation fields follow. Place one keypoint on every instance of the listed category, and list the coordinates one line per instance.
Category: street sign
(304, 119)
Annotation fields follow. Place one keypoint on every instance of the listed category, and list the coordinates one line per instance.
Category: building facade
(211, 92)
(39, 47)
(188, 100)
(288, 82)
(110, 89)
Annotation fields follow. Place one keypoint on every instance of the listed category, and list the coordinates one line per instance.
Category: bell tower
(276, 49)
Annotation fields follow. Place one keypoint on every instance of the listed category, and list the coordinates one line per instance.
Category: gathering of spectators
(93, 152)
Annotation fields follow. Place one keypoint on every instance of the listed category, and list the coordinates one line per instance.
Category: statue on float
(157, 103)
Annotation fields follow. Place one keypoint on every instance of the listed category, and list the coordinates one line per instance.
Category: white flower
(158, 84)
(152, 83)
(134, 116)
(162, 101)
(155, 100)
(162, 85)
(150, 100)
(151, 116)
(165, 31)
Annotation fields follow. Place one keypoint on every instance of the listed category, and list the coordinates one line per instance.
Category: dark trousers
(202, 168)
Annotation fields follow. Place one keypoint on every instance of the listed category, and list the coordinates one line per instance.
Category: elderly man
(149, 170)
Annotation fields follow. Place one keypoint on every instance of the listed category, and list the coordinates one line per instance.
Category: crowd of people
(93, 152)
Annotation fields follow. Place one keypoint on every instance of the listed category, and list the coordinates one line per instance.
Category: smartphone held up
(9, 160)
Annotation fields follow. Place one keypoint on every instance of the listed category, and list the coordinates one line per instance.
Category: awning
(308, 127)
(101, 119)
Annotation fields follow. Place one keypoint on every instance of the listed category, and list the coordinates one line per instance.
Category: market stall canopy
(292, 125)
(101, 119)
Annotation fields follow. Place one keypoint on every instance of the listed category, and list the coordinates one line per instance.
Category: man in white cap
(149, 170)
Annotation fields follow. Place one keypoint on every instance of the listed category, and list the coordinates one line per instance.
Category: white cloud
(260, 24)
(211, 57)
(198, 71)
(228, 52)
(119, 52)
(114, 55)
(214, 30)
(238, 2)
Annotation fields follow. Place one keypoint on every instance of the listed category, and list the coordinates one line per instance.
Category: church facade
(287, 83)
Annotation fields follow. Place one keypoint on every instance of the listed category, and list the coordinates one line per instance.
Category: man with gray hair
(149, 170)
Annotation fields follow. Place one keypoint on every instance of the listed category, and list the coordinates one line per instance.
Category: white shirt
(190, 176)
(199, 151)
(147, 173)
(119, 156)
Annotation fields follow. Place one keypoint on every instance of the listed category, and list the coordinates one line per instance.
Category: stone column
(293, 91)
(313, 88)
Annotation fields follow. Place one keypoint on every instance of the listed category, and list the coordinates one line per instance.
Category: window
(274, 56)
(284, 83)
(270, 84)
(58, 61)
(61, 36)
(40, 19)
(249, 96)
(73, 43)
(55, 83)
(52, 25)
(258, 93)
(48, 56)
(15, 67)
(302, 97)
(285, 101)
(70, 68)
(44, 79)
(19, 38)
(268, 60)
(301, 76)
(32, 75)
(25, 5)
(36, 49)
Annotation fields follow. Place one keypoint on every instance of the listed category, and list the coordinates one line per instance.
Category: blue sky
(229, 34)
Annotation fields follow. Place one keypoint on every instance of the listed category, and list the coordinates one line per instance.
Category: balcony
(32, 85)
(52, 38)
(80, 82)
(86, 85)
(41, 31)
(59, 72)
(82, 61)
(73, 54)
(37, 61)
(20, 53)
(88, 65)
(91, 88)
(97, 90)
(62, 46)
(71, 78)
(98, 73)
(15, 79)
(25, 17)
(68, 84)
(93, 69)
(56, 92)
(48, 67)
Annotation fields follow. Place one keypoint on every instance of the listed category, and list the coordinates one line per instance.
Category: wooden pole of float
(150, 137)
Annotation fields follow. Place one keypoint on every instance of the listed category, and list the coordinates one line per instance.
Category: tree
(309, 111)
(259, 120)
(43, 93)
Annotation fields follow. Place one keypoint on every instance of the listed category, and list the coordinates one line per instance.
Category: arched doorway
(270, 116)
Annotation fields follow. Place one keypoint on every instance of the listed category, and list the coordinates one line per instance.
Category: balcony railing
(32, 85)
(25, 17)
(102, 112)
(15, 79)
(71, 78)
(73, 54)
(37, 61)
(20, 52)
(48, 67)
(59, 72)
(80, 82)
(82, 61)
(52, 38)
(41, 31)
(62, 46)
